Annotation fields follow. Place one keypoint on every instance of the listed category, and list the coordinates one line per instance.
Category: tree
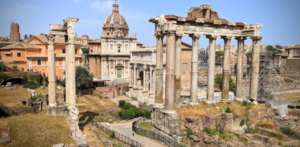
(25, 37)
(219, 54)
(83, 78)
(30, 36)
(248, 55)
(270, 48)
(219, 81)
(86, 53)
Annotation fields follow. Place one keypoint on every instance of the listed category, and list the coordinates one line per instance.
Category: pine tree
(25, 37)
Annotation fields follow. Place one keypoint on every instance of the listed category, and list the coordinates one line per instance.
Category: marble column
(194, 70)
(51, 72)
(226, 67)
(151, 78)
(211, 70)
(66, 69)
(254, 68)
(178, 69)
(135, 76)
(170, 73)
(71, 62)
(144, 78)
(240, 69)
(130, 75)
(159, 71)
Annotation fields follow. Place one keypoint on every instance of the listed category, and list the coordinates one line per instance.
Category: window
(107, 33)
(119, 49)
(75, 51)
(64, 51)
(19, 54)
(185, 67)
(39, 61)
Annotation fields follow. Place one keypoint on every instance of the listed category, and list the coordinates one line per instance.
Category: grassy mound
(37, 130)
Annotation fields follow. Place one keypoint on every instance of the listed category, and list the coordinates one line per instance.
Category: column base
(210, 102)
(178, 105)
(239, 99)
(193, 103)
(52, 104)
(169, 111)
(59, 110)
(224, 100)
(254, 102)
(158, 106)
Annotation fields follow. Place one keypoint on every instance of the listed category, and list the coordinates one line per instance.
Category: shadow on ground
(87, 117)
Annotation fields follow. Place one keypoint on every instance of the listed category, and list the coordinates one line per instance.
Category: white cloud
(102, 6)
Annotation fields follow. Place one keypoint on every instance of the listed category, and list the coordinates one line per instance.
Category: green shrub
(189, 132)
(34, 98)
(32, 81)
(217, 131)
(127, 106)
(148, 114)
(279, 143)
(242, 122)
(228, 110)
(204, 103)
(126, 114)
(112, 135)
(121, 103)
(287, 131)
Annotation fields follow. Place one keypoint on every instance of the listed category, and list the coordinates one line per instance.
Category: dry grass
(145, 125)
(11, 97)
(38, 130)
(45, 91)
(204, 108)
(266, 124)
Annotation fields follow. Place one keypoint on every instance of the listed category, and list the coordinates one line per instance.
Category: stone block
(59, 145)
(247, 138)
(292, 143)
(4, 140)
(265, 139)
(110, 120)
(82, 141)
(257, 144)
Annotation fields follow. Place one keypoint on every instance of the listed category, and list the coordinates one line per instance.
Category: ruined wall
(292, 69)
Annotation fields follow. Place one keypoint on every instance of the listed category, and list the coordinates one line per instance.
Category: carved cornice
(159, 34)
(227, 38)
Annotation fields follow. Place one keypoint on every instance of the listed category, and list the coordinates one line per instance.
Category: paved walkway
(127, 99)
(126, 129)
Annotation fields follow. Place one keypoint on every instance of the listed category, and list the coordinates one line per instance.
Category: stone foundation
(59, 110)
(166, 122)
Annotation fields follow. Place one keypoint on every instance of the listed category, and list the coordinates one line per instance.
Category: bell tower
(14, 32)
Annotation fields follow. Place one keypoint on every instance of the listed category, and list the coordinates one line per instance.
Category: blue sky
(280, 18)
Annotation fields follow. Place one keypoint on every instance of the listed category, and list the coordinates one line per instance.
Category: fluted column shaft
(151, 78)
(144, 77)
(211, 69)
(135, 76)
(240, 69)
(66, 68)
(170, 72)
(255, 67)
(51, 71)
(178, 69)
(159, 71)
(226, 68)
(194, 72)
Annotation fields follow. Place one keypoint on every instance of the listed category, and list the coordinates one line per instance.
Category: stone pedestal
(59, 110)
(166, 122)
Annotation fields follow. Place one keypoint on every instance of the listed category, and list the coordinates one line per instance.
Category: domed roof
(115, 17)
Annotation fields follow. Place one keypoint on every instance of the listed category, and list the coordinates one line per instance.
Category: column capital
(240, 38)
(256, 38)
(50, 38)
(212, 37)
(159, 34)
(196, 36)
(134, 65)
(226, 38)
(179, 34)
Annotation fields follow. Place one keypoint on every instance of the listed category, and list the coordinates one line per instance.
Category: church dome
(115, 24)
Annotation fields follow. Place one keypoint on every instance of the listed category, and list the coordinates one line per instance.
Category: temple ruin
(67, 30)
(201, 21)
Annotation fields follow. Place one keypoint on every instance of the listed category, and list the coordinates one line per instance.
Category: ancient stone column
(144, 78)
(194, 71)
(66, 69)
(178, 69)
(226, 67)
(98, 66)
(240, 69)
(170, 73)
(135, 76)
(51, 71)
(254, 68)
(71, 62)
(151, 78)
(159, 71)
(211, 70)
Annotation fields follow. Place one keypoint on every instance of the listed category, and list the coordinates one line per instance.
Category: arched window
(119, 49)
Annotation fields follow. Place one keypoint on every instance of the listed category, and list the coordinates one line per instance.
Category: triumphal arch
(201, 21)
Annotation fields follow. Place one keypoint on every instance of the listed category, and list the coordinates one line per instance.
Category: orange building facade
(33, 55)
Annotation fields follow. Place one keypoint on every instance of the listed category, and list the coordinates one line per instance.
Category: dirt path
(125, 129)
